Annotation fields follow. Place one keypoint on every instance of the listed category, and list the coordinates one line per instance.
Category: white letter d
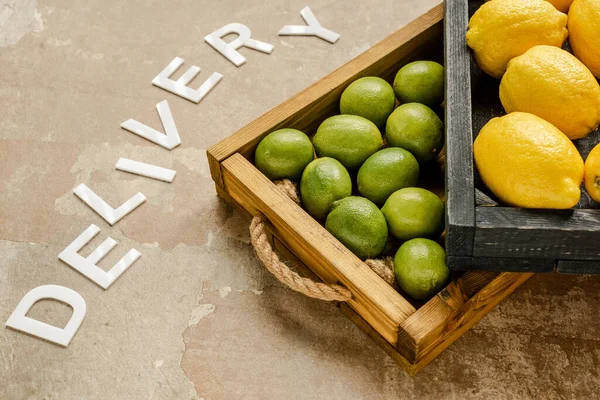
(19, 320)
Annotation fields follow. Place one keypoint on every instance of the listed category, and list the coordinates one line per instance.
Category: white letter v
(168, 141)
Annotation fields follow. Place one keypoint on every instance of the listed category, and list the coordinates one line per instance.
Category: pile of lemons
(527, 157)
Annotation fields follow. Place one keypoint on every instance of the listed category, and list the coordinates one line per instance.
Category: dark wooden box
(480, 234)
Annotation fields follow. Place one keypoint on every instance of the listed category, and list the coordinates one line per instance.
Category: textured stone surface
(196, 316)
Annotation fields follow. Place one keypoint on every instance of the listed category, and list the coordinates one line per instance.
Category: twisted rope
(264, 250)
(290, 188)
(384, 268)
(318, 290)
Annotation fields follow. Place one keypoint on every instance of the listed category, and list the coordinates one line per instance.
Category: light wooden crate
(411, 333)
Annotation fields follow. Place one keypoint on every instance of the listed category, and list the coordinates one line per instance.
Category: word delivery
(169, 139)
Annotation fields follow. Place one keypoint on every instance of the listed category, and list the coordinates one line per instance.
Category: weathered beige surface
(70, 73)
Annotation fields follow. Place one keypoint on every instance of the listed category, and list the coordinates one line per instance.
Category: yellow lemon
(554, 85)
(592, 173)
(527, 162)
(584, 25)
(503, 29)
(561, 5)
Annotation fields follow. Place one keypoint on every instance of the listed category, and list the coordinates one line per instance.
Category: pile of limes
(364, 191)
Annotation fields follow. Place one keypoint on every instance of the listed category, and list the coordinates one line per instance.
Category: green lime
(420, 268)
(416, 128)
(359, 225)
(369, 97)
(420, 82)
(324, 181)
(350, 139)
(414, 212)
(385, 172)
(284, 154)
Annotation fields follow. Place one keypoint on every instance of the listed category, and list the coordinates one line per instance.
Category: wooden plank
(460, 194)
(473, 281)
(433, 315)
(374, 300)
(501, 264)
(578, 267)
(552, 234)
(222, 193)
(451, 325)
(306, 110)
(418, 334)
(215, 169)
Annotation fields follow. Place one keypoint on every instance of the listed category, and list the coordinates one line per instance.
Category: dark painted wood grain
(578, 267)
(504, 264)
(559, 234)
(459, 140)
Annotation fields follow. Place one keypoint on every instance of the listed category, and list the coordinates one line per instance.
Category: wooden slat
(374, 300)
(473, 281)
(552, 234)
(222, 193)
(215, 168)
(417, 335)
(306, 110)
(448, 323)
(460, 194)
(434, 315)
(501, 264)
(578, 267)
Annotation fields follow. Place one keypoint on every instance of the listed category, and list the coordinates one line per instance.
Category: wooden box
(411, 333)
(479, 233)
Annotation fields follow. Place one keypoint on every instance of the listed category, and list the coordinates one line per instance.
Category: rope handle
(318, 290)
